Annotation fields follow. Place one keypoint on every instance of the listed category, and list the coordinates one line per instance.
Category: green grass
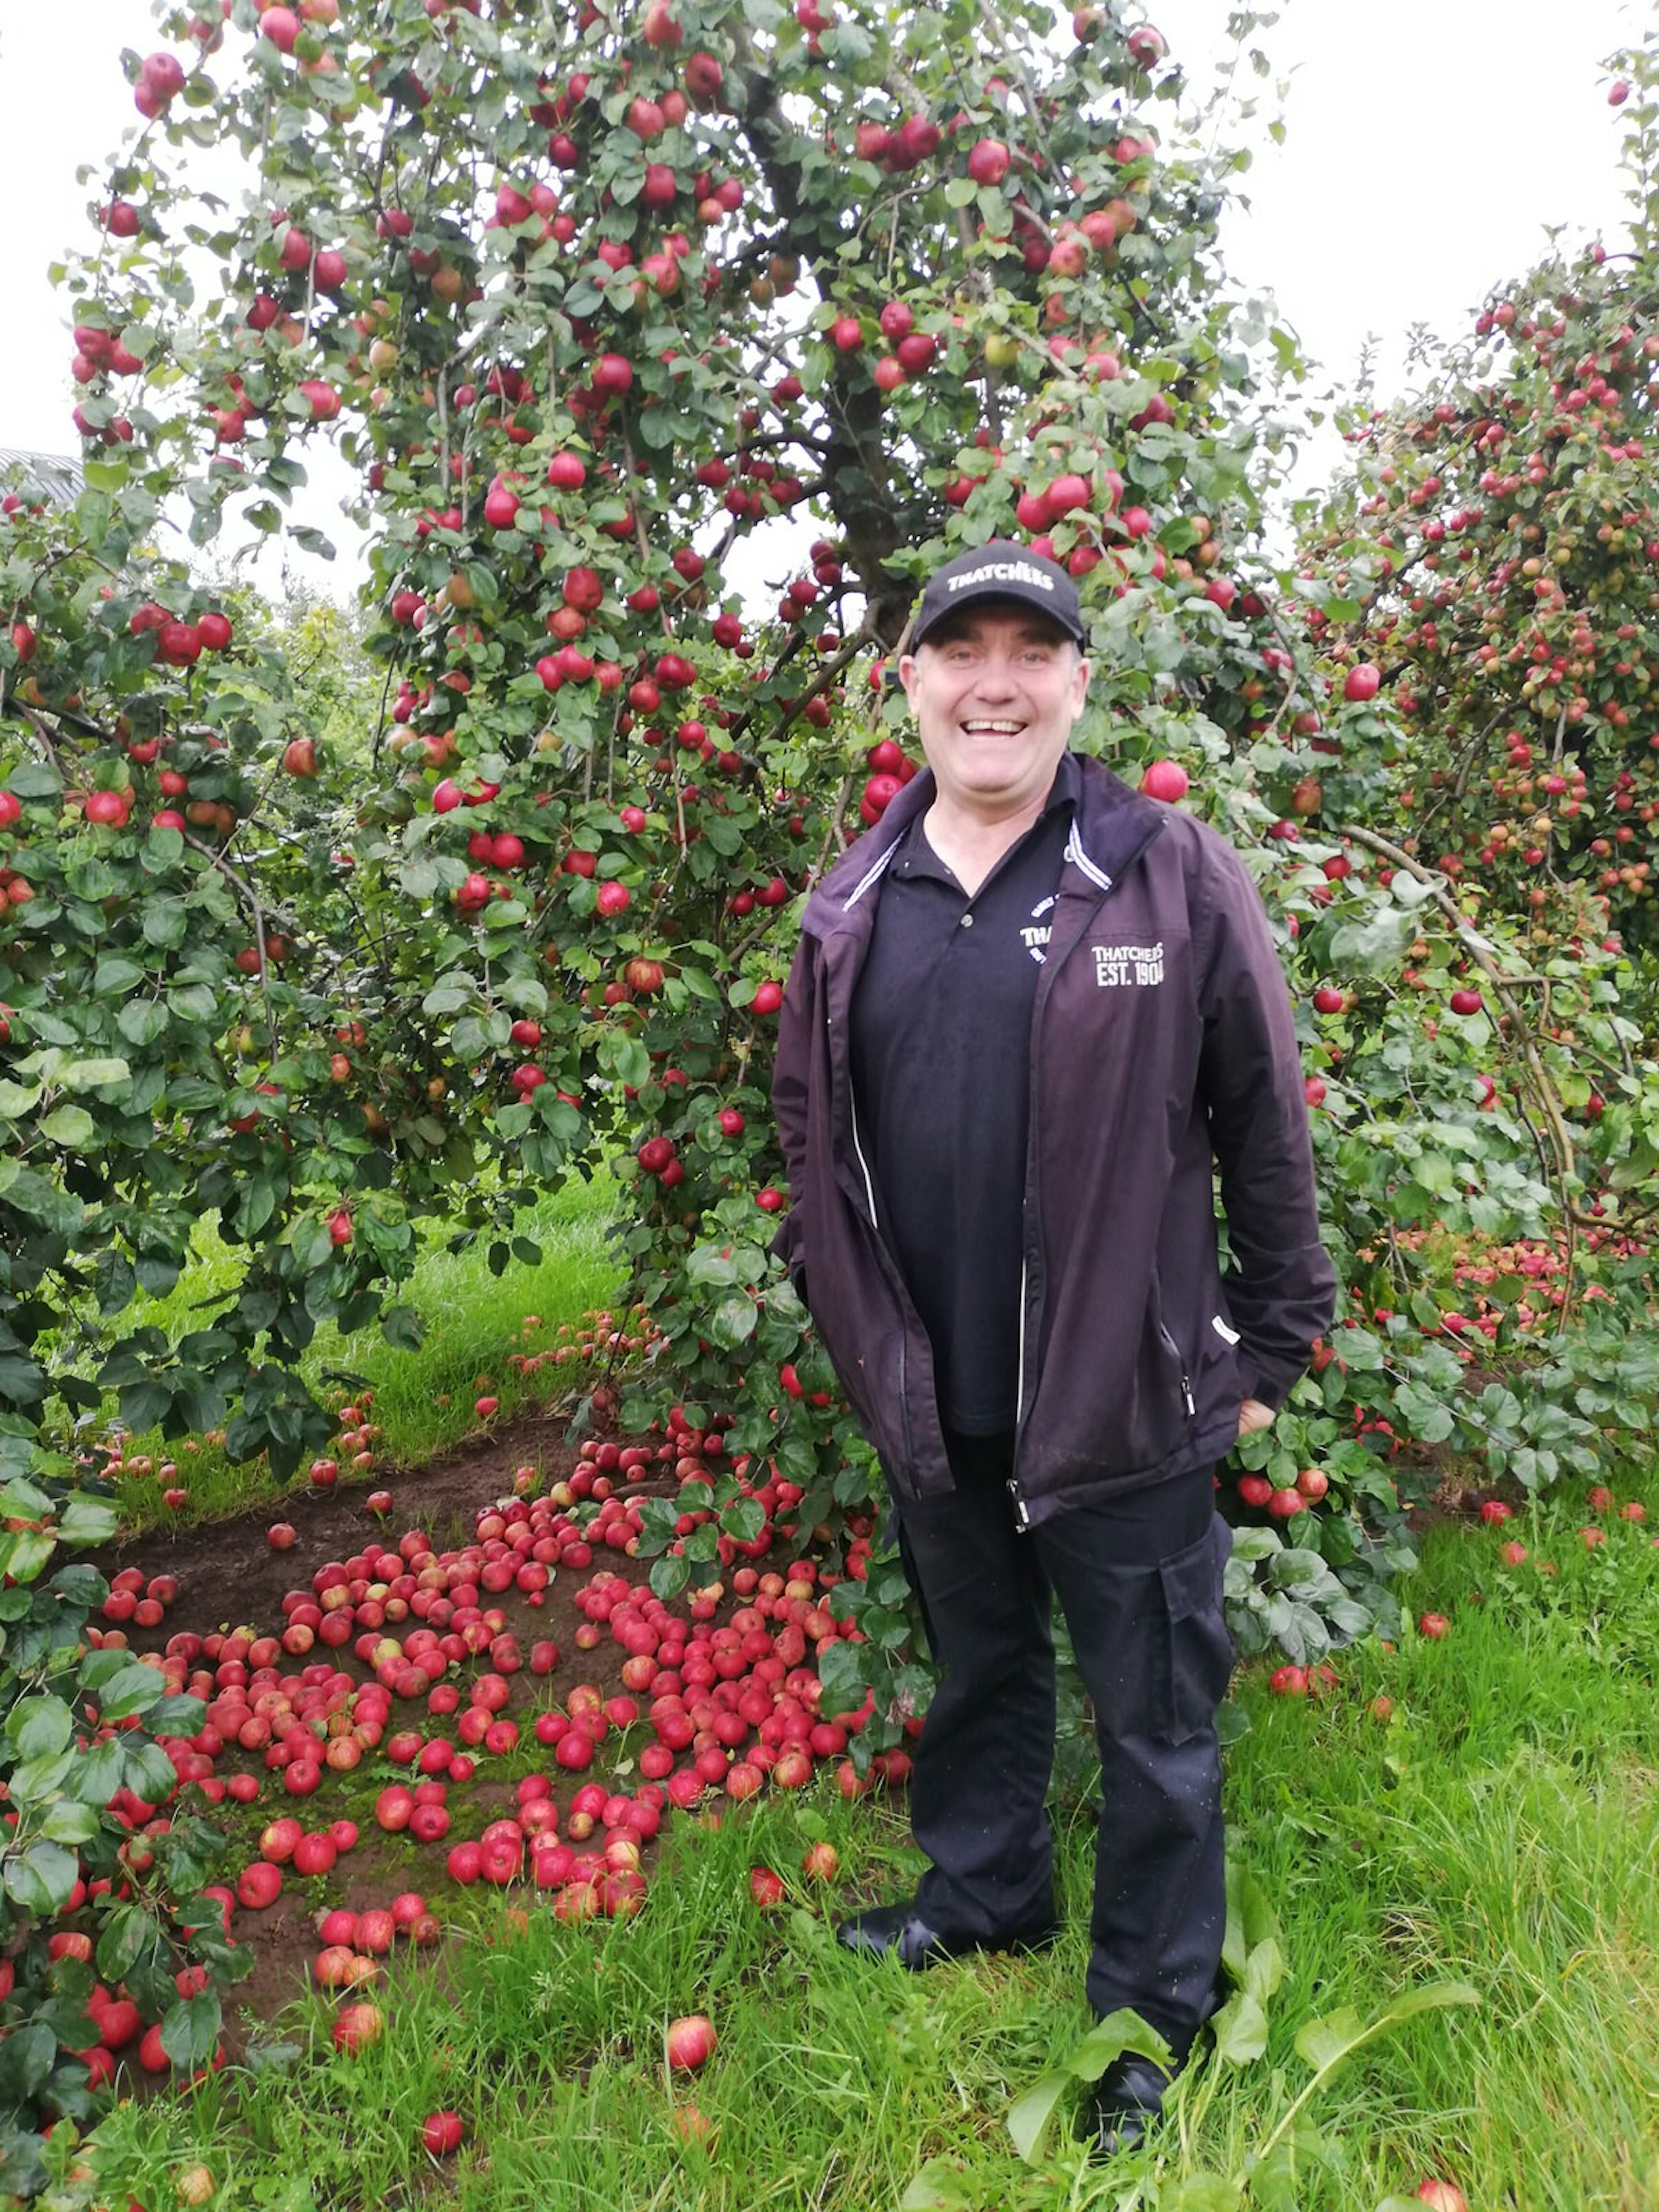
(1498, 1828)
(473, 1321)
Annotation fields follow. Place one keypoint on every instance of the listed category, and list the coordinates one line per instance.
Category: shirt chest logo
(1119, 967)
(1036, 933)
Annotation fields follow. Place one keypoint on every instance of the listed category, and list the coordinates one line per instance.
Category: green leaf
(165, 923)
(145, 1405)
(732, 1323)
(148, 1771)
(1030, 2115)
(1204, 2192)
(659, 1518)
(627, 1058)
(72, 1127)
(36, 1781)
(938, 2186)
(403, 1328)
(96, 1776)
(281, 2058)
(141, 1021)
(743, 1519)
(127, 1935)
(670, 1575)
(1232, 1723)
(1273, 2181)
(116, 1282)
(39, 1727)
(1251, 1921)
(1324, 2044)
(1240, 2029)
(941, 2187)
(34, 780)
(190, 2031)
(709, 1265)
(1428, 1418)
(41, 1877)
(22, 2164)
(27, 2056)
(134, 1690)
(68, 1822)
(24, 1553)
(176, 1715)
(94, 1074)
(115, 976)
(31, 1194)
(193, 1002)
(1264, 1971)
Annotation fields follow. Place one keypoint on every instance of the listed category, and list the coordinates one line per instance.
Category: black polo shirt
(941, 1053)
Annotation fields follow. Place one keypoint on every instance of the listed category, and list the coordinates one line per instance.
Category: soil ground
(229, 1577)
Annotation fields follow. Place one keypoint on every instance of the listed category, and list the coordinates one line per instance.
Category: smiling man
(1031, 1014)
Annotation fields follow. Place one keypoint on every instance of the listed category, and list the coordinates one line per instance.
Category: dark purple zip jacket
(1162, 1046)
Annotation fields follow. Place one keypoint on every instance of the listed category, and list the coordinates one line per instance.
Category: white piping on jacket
(1075, 854)
(864, 1165)
(864, 881)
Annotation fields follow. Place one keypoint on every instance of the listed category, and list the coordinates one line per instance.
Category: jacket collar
(1111, 827)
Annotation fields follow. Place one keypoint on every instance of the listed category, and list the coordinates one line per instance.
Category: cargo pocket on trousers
(1198, 1648)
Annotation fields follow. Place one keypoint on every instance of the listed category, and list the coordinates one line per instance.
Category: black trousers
(1139, 1581)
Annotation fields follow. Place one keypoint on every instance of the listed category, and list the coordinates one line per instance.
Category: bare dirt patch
(228, 1577)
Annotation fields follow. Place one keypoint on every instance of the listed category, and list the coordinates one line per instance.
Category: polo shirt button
(966, 921)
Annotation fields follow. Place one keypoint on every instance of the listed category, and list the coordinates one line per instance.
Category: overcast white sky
(1430, 142)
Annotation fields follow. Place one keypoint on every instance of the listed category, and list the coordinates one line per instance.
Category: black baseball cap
(999, 570)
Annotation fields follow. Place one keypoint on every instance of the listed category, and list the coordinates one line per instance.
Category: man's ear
(907, 675)
(1085, 670)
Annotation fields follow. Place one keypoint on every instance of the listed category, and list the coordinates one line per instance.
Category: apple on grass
(357, 2026)
(688, 2043)
(1442, 2195)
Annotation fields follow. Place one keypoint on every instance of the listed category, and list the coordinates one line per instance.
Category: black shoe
(1127, 2099)
(901, 1929)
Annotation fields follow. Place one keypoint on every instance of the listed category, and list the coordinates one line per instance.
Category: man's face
(995, 693)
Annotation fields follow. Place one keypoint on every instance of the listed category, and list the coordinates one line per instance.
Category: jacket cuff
(1270, 1383)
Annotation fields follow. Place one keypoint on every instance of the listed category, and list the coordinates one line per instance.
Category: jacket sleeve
(1281, 1286)
(791, 1070)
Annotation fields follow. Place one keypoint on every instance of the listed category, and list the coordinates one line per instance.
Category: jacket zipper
(864, 1165)
(1186, 1398)
(1022, 1516)
(1105, 884)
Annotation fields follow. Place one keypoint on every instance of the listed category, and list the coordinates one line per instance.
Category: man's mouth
(984, 726)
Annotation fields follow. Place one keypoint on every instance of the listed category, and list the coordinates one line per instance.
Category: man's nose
(995, 677)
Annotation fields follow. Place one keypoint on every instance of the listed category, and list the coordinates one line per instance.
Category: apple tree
(621, 292)
(607, 314)
(1485, 578)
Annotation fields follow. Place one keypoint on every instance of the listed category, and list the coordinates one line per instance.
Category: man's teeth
(997, 729)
